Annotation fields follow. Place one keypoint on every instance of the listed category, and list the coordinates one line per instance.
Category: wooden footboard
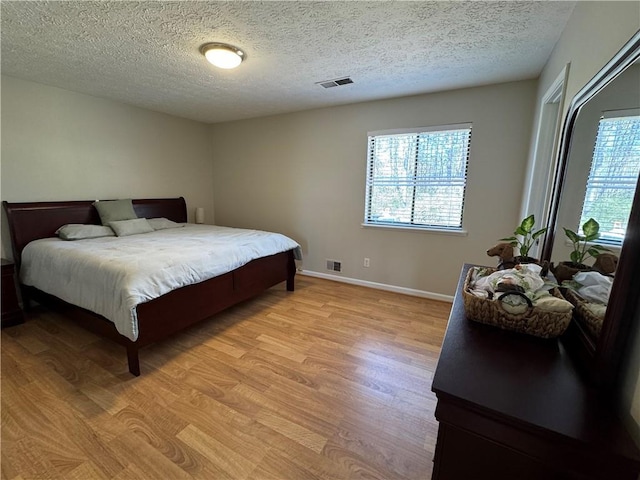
(174, 311)
(164, 316)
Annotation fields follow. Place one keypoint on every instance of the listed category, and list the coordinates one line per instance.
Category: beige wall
(61, 145)
(303, 174)
(594, 34)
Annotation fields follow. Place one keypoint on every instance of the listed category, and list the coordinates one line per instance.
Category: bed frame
(162, 317)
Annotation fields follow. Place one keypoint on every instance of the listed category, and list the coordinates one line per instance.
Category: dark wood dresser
(514, 407)
(11, 311)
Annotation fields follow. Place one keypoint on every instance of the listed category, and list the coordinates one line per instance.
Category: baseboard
(378, 286)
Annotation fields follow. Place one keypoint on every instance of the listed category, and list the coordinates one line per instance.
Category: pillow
(76, 231)
(124, 228)
(114, 210)
(163, 223)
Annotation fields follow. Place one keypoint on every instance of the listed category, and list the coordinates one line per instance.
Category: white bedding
(112, 275)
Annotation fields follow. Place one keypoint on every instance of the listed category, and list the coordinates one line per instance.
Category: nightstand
(11, 311)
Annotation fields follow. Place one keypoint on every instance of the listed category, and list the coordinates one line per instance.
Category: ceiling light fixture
(223, 55)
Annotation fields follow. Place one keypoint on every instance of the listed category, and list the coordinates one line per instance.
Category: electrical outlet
(367, 263)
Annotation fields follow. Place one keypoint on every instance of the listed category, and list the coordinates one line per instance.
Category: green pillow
(76, 231)
(124, 228)
(114, 210)
(163, 223)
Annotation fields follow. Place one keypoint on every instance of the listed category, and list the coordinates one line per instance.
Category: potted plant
(582, 249)
(523, 239)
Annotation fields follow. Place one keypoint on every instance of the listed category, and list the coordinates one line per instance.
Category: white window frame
(371, 182)
(607, 115)
(543, 164)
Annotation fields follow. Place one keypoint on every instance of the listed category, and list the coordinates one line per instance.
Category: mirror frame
(601, 359)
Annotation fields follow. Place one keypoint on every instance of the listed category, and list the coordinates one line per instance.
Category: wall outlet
(367, 262)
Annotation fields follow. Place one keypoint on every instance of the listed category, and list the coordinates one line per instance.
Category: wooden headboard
(31, 221)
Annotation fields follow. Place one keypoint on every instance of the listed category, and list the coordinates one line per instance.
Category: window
(613, 175)
(417, 178)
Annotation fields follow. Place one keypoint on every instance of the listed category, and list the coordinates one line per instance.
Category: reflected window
(417, 178)
(613, 175)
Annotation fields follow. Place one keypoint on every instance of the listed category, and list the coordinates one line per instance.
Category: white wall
(61, 145)
(594, 34)
(303, 174)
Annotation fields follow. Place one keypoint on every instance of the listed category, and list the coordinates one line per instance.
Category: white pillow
(78, 231)
(125, 228)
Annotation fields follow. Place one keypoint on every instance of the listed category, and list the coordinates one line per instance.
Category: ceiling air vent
(335, 83)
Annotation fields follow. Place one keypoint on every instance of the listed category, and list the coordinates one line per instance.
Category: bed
(158, 318)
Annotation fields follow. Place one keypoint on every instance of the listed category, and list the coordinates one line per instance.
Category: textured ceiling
(146, 53)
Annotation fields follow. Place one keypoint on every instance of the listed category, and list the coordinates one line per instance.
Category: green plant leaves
(526, 225)
(591, 229)
(538, 233)
(525, 230)
(573, 236)
(581, 249)
(594, 252)
(575, 257)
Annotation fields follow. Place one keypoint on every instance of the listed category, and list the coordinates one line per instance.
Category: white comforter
(111, 276)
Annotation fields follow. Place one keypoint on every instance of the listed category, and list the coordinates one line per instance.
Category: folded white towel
(595, 286)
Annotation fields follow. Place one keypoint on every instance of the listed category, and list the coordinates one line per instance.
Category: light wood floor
(329, 382)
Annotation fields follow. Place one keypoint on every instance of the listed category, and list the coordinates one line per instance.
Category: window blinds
(418, 178)
(613, 176)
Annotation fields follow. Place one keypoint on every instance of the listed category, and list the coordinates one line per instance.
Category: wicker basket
(535, 322)
(590, 319)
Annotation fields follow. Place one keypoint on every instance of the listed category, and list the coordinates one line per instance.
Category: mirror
(601, 174)
(598, 340)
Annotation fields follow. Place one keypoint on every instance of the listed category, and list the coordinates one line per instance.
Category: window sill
(438, 231)
(609, 245)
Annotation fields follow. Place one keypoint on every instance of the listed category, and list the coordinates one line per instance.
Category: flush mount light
(223, 55)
